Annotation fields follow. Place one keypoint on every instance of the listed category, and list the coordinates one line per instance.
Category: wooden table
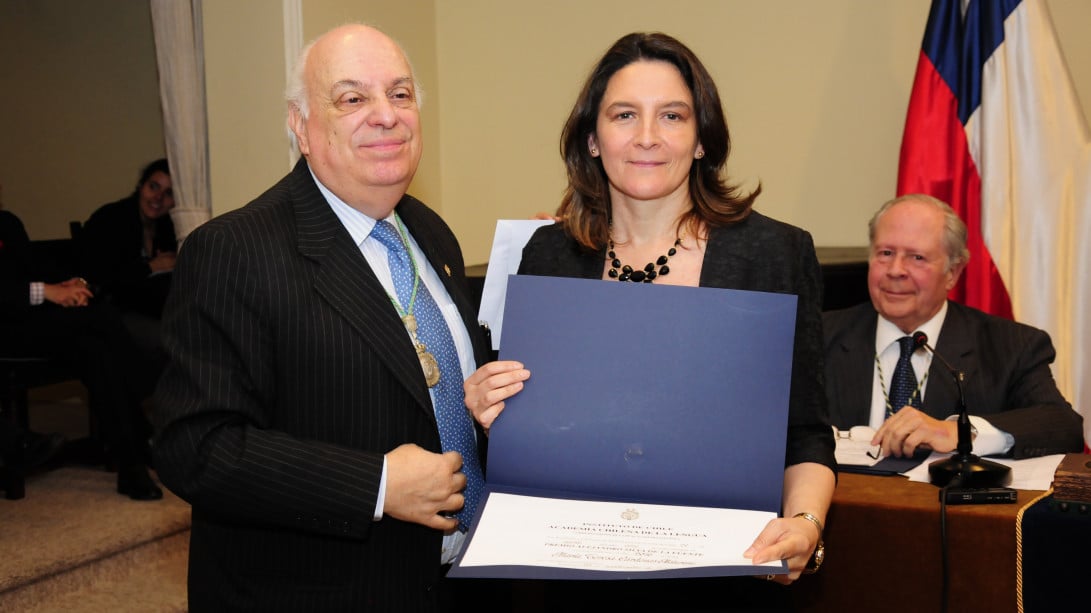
(883, 551)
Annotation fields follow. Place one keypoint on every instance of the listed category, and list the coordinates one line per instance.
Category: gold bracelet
(813, 520)
(819, 553)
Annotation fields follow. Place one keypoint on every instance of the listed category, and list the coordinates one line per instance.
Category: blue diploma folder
(643, 393)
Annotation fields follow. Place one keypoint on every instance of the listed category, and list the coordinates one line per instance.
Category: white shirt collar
(359, 225)
(886, 333)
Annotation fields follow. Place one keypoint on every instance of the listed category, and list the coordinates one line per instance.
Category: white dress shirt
(359, 227)
(989, 441)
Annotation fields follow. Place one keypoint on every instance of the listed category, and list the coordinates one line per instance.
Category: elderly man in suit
(301, 413)
(917, 252)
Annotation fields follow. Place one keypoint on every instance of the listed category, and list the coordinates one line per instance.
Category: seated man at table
(917, 252)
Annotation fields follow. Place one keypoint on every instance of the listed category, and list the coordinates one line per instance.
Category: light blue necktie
(903, 385)
(456, 430)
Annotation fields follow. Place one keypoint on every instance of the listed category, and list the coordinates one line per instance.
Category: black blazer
(14, 266)
(111, 245)
(1008, 380)
(758, 254)
(291, 375)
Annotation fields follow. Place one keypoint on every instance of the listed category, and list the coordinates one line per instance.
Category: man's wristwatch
(819, 551)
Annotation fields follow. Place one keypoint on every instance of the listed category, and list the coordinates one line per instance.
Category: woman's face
(156, 196)
(646, 133)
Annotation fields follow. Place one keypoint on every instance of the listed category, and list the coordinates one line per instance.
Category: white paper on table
(611, 536)
(1028, 474)
(854, 446)
(507, 251)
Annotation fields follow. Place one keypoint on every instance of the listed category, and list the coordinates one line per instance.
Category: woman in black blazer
(645, 149)
(129, 246)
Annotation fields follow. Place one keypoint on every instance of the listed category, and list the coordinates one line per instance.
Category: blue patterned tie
(456, 430)
(904, 383)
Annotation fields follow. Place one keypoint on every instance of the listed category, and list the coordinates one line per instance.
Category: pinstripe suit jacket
(1008, 379)
(291, 375)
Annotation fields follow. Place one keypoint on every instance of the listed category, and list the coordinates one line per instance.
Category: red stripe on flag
(935, 160)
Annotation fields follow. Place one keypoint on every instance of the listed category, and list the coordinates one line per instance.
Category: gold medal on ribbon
(428, 364)
(428, 361)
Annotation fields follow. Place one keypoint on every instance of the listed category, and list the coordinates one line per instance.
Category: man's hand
(489, 386)
(70, 293)
(909, 428)
(420, 485)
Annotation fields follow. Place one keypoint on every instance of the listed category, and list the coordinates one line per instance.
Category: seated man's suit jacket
(1006, 365)
(14, 274)
(291, 375)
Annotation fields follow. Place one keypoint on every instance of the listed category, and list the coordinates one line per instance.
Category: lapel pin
(447, 269)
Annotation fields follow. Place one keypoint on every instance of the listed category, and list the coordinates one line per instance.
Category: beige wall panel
(80, 105)
(244, 80)
(1072, 21)
(815, 95)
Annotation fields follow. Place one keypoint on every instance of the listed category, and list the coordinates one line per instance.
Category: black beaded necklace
(648, 273)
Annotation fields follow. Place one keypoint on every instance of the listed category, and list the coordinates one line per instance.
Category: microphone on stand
(964, 469)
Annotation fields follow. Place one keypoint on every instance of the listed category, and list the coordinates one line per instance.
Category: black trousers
(95, 344)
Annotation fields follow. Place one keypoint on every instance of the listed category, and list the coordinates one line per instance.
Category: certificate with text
(649, 441)
(586, 535)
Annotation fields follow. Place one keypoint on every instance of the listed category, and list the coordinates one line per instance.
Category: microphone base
(969, 471)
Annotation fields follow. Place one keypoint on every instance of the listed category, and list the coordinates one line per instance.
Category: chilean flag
(994, 128)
